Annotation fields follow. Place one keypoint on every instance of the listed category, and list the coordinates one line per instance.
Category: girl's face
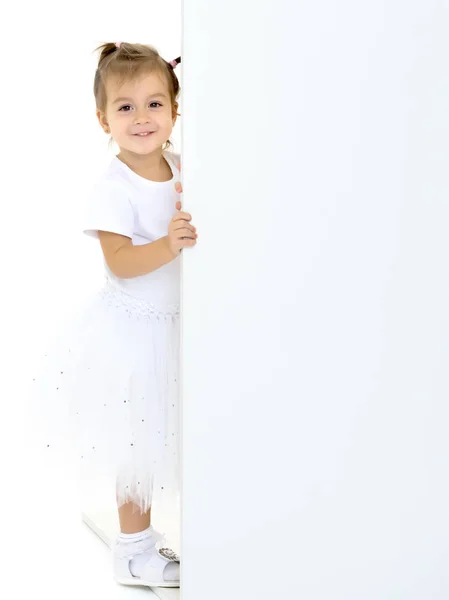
(135, 107)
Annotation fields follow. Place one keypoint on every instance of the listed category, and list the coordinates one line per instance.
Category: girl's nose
(141, 121)
(141, 117)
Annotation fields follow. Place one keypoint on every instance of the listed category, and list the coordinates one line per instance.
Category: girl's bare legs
(131, 521)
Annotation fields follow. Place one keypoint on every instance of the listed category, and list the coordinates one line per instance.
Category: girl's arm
(126, 260)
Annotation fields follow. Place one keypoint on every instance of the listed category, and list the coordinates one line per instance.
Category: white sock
(171, 571)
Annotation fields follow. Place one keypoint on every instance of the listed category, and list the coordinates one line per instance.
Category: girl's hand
(178, 188)
(181, 233)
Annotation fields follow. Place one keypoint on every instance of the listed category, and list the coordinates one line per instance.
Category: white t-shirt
(124, 202)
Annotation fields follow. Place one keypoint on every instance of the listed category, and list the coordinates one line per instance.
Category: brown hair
(126, 63)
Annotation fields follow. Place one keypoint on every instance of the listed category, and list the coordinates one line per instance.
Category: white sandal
(153, 570)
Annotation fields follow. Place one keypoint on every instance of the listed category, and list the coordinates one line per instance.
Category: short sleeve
(109, 209)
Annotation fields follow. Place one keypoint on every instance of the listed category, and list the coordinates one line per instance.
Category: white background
(315, 319)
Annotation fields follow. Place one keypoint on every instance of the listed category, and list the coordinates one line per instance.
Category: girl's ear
(175, 112)
(102, 120)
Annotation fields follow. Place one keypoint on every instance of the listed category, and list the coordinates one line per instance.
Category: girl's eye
(127, 105)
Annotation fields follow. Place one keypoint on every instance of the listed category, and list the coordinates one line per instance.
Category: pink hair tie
(118, 44)
(173, 63)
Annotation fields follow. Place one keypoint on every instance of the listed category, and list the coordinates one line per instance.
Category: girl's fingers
(178, 188)
(178, 185)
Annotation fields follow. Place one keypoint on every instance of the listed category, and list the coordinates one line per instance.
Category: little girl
(122, 378)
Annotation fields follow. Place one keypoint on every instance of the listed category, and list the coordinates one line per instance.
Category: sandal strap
(153, 569)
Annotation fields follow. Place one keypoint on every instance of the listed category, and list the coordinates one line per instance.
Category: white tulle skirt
(105, 397)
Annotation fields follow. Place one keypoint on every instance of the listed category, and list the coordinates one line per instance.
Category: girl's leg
(131, 521)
